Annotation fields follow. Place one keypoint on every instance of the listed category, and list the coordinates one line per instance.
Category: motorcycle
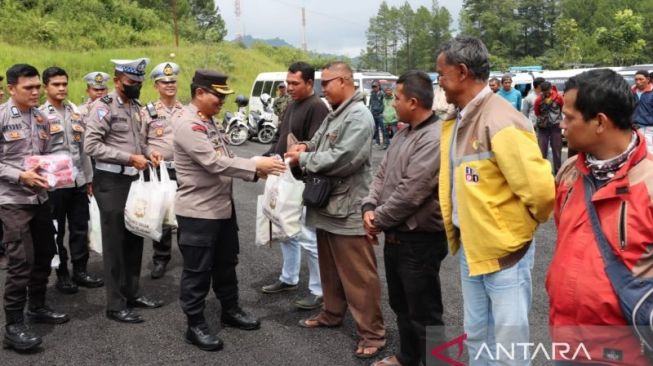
(236, 129)
(258, 125)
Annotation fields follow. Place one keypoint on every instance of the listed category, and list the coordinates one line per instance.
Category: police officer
(156, 130)
(67, 130)
(208, 232)
(96, 88)
(24, 210)
(113, 140)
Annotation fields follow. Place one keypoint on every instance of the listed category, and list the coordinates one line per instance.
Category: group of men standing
(473, 183)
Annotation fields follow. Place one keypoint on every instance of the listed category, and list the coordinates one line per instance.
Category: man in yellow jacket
(495, 189)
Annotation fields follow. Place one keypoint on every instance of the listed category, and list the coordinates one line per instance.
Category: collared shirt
(156, 128)
(23, 135)
(205, 167)
(113, 130)
(67, 134)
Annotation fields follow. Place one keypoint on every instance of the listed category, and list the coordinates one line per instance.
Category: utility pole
(240, 35)
(304, 45)
(174, 19)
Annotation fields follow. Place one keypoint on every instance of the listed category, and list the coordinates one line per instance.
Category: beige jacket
(156, 128)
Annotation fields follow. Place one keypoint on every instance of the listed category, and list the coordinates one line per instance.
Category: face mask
(132, 91)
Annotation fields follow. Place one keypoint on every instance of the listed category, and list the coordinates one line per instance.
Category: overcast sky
(332, 26)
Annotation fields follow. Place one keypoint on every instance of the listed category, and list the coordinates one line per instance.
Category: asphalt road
(91, 339)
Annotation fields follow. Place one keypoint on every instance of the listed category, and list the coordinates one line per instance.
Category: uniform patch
(101, 113)
(43, 135)
(77, 137)
(14, 135)
(78, 128)
(159, 132)
(106, 99)
(51, 108)
(200, 128)
(55, 128)
(15, 112)
(471, 175)
(76, 116)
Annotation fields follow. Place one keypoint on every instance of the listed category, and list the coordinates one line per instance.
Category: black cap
(213, 80)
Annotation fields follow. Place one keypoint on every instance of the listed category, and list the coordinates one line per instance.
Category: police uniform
(112, 136)
(94, 80)
(156, 130)
(26, 217)
(67, 133)
(208, 232)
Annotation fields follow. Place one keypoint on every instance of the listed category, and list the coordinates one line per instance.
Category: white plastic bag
(282, 202)
(144, 210)
(94, 228)
(170, 187)
(266, 231)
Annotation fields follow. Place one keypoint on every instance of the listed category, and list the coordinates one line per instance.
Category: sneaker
(277, 287)
(309, 302)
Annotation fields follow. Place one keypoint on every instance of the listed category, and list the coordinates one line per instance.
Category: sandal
(388, 361)
(363, 355)
(313, 323)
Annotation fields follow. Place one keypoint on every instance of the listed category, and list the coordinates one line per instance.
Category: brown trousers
(350, 279)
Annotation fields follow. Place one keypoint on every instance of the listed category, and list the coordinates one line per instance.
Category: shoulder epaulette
(151, 110)
(106, 99)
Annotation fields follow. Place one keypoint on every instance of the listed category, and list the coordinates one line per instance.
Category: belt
(397, 237)
(116, 168)
(169, 165)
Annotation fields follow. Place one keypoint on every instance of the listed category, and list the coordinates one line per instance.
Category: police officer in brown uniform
(96, 88)
(67, 131)
(156, 130)
(24, 209)
(113, 140)
(208, 232)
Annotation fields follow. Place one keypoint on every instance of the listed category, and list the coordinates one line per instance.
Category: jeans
(647, 131)
(551, 136)
(378, 124)
(292, 258)
(496, 307)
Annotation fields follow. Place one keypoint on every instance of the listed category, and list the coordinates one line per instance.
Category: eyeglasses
(217, 95)
(324, 83)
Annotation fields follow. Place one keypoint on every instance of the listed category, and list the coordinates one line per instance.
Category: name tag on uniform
(78, 128)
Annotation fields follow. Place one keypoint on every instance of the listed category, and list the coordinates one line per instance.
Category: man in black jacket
(302, 118)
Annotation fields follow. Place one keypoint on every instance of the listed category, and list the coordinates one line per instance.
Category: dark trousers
(412, 269)
(210, 252)
(379, 125)
(2, 244)
(551, 136)
(29, 242)
(122, 251)
(71, 204)
(163, 247)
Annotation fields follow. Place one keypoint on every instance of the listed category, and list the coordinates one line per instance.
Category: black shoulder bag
(635, 294)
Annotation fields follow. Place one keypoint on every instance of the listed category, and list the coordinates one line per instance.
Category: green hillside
(241, 64)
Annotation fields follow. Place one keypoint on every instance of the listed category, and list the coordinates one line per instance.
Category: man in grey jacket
(341, 150)
(403, 203)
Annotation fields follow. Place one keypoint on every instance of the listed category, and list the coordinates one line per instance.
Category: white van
(267, 82)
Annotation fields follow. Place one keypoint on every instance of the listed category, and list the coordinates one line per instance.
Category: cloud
(332, 26)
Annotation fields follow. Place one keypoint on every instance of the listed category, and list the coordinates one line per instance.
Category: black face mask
(132, 91)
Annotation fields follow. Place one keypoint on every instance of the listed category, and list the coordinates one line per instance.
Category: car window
(267, 88)
(258, 86)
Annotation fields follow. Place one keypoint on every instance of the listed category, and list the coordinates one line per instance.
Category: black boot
(237, 318)
(64, 283)
(201, 336)
(41, 313)
(17, 335)
(83, 278)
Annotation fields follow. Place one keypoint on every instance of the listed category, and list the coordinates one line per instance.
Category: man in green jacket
(341, 150)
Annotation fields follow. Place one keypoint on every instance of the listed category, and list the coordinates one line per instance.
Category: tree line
(552, 33)
(95, 24)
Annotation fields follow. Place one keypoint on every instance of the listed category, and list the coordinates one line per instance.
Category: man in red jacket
(584, 308)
